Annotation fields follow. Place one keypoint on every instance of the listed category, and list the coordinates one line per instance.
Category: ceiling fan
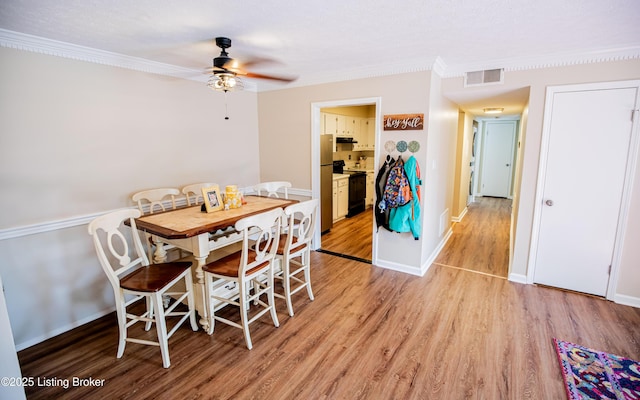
(225, 70)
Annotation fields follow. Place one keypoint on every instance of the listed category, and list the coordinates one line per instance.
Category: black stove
(357, 187)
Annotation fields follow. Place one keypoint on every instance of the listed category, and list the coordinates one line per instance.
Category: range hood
(345, 139)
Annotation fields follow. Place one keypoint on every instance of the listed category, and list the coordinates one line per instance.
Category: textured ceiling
(329, 40)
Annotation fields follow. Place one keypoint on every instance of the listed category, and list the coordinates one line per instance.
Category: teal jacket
(406, 218)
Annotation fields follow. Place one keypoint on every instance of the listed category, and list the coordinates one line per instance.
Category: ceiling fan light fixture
(224, 82)
(494, 110)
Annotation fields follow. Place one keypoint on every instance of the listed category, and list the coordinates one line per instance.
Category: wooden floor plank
(351, 236)
(480, 242)
(370, 333)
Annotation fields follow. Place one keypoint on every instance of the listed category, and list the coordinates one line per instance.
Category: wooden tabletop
(190, 221)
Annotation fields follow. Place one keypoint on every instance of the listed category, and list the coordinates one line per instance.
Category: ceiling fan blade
(216, 70)
(225, 65)
(270, 77)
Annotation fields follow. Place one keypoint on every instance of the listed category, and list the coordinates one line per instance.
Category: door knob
(549, 203)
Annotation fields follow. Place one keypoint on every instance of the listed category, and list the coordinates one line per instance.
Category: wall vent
(485, 77)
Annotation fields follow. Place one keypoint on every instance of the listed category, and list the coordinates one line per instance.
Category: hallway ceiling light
(493, 110)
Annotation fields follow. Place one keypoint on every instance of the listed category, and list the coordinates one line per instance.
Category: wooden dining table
(200, 233)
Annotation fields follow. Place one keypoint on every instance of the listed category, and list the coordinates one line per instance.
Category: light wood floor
(480, 242)
(351, 236)
(371, 333)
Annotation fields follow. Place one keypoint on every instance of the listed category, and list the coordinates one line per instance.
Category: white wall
(78, 139)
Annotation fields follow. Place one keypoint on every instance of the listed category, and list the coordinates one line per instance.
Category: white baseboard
(459, 217)
(422, 270)
(407, 269)
(627, 300)
(517, 278)
(436, 251)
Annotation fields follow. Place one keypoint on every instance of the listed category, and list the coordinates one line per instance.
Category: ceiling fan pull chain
(226, 110)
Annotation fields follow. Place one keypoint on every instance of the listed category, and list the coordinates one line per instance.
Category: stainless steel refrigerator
(326, 182)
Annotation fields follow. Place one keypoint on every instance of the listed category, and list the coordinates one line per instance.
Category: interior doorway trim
(315, 153)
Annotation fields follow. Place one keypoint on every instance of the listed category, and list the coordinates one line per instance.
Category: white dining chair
(123, 259)
(152, 200)
(272, 188)
(245, 268)
(193, 193)
(155, 200)
(293, 258)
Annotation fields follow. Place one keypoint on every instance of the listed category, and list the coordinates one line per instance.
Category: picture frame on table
(212, 198)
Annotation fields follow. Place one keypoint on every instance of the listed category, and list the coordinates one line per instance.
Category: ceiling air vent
(485, 77)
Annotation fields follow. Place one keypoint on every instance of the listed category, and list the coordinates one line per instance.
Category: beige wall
(77, 139)
(438, 172)
(80, 138)
(285, 119)
(285, 128)
(517, 187)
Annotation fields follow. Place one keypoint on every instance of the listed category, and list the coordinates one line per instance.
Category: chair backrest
(112, 240)
(193, 193)
(155, 198)
(303, 216)
(261, 234)
(272, 188)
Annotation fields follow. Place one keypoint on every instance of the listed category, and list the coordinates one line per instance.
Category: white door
(497, 158)
(587, 141)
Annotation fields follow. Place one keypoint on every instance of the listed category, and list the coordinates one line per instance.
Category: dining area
(186, 254)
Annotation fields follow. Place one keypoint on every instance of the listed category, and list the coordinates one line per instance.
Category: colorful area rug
(593, 374)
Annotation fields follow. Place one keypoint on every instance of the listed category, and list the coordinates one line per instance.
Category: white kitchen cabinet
(335, 200)
(341, 198)
(328, 123)
(352, 126)
(359, 133)
(366, 135)
(370, 133)
(371, 182)
(337, 125)
(344, 125)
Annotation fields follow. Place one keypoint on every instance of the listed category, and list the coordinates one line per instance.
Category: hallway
(480, 242)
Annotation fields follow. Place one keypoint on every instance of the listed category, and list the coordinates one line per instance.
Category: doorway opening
(485, 186)
(354, 131)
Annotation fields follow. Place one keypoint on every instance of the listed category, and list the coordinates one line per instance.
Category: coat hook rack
(401, 146)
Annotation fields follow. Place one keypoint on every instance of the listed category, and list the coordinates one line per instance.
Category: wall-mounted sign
(403, 122)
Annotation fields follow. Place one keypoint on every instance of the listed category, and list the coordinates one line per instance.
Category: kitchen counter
(360, 169)
(340, 176)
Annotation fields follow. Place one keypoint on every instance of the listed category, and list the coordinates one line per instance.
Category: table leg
(160, 255)
(204, 313)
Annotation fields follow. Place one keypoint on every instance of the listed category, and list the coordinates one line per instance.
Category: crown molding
(37, 44)
(548, 61)
(21, 41)
(360, 72)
